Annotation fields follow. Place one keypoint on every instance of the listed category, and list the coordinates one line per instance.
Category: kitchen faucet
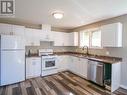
(87, 52)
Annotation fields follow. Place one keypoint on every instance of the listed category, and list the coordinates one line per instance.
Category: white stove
(48, 62)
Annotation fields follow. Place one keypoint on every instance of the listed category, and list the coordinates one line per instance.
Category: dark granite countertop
(105, 59)
(32, 55)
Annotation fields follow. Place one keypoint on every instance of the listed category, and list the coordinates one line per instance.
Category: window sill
(92, 47)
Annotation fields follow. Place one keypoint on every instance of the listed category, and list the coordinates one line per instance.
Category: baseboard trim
(123, 86)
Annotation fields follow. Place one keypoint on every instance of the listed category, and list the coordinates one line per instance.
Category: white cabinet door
(46, 36)
(31, 37)
(66, 39)
(70, 63)
(33, 67)
(63, 62)
(9, 29)
(112, 35)
(74, 66)
(78, 66)
(6, 29)
(18, 30)
(73, 38)
(58, 38)
(116, 76)
(84, 63)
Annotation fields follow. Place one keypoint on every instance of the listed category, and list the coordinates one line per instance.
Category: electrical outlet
(107, 53)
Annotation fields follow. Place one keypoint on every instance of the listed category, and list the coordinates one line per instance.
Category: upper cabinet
(65, 39)
(46, 35)
(8, 29)
(74, 38)
(111, 35)
(34, 36)
(31, 37)
(58, 38)
(18, 30)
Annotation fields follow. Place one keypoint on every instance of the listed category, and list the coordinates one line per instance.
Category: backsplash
(93, 51)
(49, 45)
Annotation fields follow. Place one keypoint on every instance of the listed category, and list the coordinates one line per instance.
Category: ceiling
(76, 12)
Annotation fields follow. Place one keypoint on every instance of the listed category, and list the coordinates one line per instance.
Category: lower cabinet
(63, 62)
(78, 66)
(115, 76)
(33, 67)
(74, 64)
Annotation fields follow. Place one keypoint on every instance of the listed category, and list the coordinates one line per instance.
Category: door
(92, 70)
(62, 63)
(58, 39)
(84, 63)
(37, 67)
(33, 67)
(32, 37)
(49, 63)
(12, 42)
(18, 30)
(75, 65)
(12, 67)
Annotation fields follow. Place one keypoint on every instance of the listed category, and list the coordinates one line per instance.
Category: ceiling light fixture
(57, 15)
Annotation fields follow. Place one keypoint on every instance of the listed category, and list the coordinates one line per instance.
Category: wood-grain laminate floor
(64, 83)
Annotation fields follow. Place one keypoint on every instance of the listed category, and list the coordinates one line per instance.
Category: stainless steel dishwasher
(95, 72)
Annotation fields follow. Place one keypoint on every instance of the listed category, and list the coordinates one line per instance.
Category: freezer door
(12, 67)
(9, 42)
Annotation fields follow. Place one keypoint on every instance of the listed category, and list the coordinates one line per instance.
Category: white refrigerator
(12, 59)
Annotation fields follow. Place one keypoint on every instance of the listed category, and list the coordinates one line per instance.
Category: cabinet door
(66, 40)
(73, 39)
(58, 39)
(116, 76)
(70, 63)
(31, 37)
(33, 67)
(36, 63)
(75, 65)
(62, 63)
(18, 30)
(28, 68)
(112, 35)
(6, 29)
(84, 63)
(45, 36)
(78, 66)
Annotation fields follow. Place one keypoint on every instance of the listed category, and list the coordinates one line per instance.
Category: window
(84, 38)
(96, 38)
(90, 38)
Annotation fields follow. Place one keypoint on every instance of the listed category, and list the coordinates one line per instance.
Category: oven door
(49, 63)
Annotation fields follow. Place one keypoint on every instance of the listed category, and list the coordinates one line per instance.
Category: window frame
(90, 31)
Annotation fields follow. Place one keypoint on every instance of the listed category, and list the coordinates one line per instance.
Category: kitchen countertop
(105, 59)
(32, 55)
